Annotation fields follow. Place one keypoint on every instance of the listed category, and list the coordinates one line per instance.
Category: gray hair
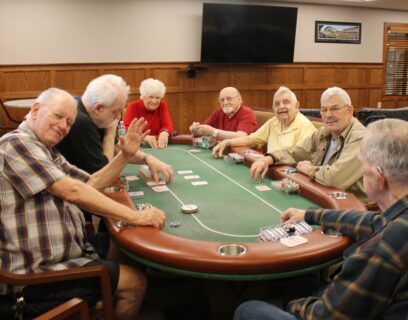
(152, 86)
(52, 94)
(283, 90)
(105, 90)
(386, 146)
(344, 97)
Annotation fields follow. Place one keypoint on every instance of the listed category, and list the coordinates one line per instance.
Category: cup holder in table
(232, 249)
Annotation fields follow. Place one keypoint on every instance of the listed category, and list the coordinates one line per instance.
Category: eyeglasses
(228, 99)
(332, 109)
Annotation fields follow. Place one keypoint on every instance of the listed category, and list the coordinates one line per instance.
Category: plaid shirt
(38, 231)
(373, 282)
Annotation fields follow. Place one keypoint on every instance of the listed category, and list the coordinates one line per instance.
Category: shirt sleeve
(367, 283)
(130, 113)
(211, 119)
(88, 148)
(166, 124)
(302, 151)
(260, 137)
(29, 167)
(247, 122)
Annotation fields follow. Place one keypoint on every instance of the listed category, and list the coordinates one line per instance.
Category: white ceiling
(380, 4)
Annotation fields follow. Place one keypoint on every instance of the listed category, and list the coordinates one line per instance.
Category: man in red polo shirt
(231, 120)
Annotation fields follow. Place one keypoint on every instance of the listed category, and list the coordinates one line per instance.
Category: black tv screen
(247, 34)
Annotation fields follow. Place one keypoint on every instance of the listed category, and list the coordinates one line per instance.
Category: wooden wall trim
(193, 99)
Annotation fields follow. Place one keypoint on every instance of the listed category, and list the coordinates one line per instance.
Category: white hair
(151, 86)
(386, 146)
(105, 90)
(281, 90)
(344, 97)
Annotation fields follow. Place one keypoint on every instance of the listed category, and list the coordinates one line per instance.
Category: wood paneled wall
(193, 99)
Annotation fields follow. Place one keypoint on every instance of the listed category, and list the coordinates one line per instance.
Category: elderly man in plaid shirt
(41, 223)
(373, 281)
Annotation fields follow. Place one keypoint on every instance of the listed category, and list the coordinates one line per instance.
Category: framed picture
(337, 32)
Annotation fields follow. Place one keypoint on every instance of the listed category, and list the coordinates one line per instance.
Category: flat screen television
(247, 34)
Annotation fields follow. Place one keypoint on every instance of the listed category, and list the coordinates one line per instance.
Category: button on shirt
(38, 231)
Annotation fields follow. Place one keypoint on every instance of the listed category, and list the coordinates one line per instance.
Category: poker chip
(234, 157)
(287, 186)
(283, 230)
(189, 208)
(175, 224)
(143, 206)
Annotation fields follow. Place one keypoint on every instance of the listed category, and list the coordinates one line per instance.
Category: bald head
(52, 116)
(230, 100)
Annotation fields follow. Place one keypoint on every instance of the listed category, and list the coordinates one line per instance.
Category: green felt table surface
(230, 207)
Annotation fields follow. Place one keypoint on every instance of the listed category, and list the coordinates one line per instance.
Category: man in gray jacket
(330, 155)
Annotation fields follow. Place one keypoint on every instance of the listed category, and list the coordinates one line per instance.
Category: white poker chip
(189, 208)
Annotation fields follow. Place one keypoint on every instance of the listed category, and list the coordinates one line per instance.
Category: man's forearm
(109, 173)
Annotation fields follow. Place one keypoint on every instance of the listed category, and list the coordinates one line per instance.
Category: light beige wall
(86, 31)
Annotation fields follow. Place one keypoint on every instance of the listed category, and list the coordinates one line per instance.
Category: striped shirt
(38, 231)
(373, 282)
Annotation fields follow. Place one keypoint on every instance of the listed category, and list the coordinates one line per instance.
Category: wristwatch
(270, 155)
(215, 133)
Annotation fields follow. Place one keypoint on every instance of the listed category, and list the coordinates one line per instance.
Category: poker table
(231, 210)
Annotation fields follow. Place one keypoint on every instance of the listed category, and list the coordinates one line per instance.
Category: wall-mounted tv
(247, 33)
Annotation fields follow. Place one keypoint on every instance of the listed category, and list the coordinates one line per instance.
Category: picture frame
(337, 32)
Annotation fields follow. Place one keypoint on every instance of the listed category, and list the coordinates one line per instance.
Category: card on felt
(132, 178)
(199, 183)
(160, 188)
(185, 171)
(293, 241)
(136, 194)
(263, 188)
(154, 183)
(195, 176)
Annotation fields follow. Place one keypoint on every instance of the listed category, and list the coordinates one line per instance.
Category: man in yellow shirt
(287, 128)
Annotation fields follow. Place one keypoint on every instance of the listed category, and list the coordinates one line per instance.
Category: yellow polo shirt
(270, 133)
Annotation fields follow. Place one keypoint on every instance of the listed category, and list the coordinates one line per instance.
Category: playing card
(185, 171)
(263, 188)
(160, 188)
(192, 177)
(199, 183)
(293, 241)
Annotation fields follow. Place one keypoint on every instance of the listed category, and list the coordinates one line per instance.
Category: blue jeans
(260, 310)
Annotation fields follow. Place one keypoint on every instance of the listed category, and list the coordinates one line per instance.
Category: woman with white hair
(155, 110)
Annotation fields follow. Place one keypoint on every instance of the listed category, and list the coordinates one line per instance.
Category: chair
(7, 122)
(317, 124)
(310, 112)
(263, 116)
(74, 309)
(368, 115)
(58, 276)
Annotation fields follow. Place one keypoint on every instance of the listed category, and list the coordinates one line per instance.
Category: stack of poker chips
(286, 185)
(124, 182)
(284, 230)
(204, 142)
(143, 206)
(139, 207)
(234, 157)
